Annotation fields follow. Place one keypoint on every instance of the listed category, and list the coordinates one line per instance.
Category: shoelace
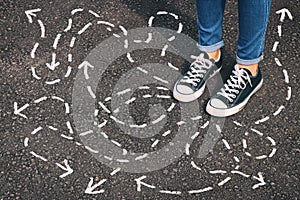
(197, 70)
(235, 83)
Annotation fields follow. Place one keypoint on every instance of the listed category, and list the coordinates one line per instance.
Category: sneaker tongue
(206, 56)
(248, 72)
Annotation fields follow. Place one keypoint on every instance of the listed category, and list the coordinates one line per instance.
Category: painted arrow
(53, 64)
(140, 183)
(283, 13)
(85, 65)
(17, 111)
(261, 180)
(31, 13)
(90, 188)
(67, 168)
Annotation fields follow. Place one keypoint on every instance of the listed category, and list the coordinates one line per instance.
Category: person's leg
(191, 84)
(253, 21)
(209, 19)
(246, 78)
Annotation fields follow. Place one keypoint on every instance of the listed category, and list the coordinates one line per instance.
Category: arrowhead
(17, 111)
(53, 64)
(85, 65)
(284, 11)
(31, 13)
(67, 168)
(140, 183)
(261, 180)
(91, 188)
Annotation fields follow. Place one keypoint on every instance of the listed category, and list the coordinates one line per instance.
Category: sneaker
(235, 93)
(191, 85)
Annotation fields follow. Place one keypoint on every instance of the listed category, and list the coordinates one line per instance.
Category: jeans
(253, 21)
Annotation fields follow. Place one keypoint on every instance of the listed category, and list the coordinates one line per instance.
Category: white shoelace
(197, 70)
(235, 83)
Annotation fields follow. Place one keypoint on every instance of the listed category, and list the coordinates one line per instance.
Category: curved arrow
(32, 13)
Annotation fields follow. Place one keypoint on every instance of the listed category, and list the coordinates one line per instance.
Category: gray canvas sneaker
(191, 85)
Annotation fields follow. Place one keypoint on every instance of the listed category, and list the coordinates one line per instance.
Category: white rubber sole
(191, 97)
(231, 111)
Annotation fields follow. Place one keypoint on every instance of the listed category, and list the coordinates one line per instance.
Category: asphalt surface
(272, 152)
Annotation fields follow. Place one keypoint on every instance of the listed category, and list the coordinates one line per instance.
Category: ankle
(215, 54)
(252, 68)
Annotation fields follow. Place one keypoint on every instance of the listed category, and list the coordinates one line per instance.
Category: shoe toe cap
(217, 103)
(184, 89)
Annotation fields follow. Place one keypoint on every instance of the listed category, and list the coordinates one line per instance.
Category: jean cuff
(211, 48)
(248, 62)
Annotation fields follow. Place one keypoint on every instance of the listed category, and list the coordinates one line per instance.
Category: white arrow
(90, 188)
(284, 11)
(31, 13)
(53, 63)
(261, 180)
(140, 183)
(67, 168)
(85, 65)
(17, 111)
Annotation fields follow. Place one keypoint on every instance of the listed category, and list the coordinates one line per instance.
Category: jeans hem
(211, 48)
(249, 62)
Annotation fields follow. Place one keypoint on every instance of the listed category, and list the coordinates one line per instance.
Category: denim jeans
(253, 20)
